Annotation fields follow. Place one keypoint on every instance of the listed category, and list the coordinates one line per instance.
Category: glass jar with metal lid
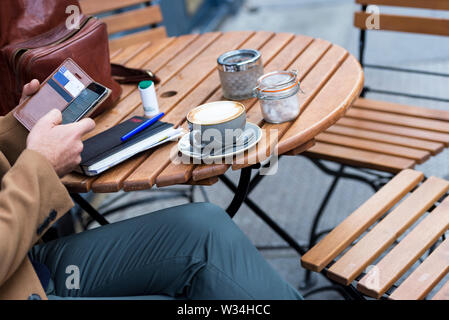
(278, 95)
(239, 71)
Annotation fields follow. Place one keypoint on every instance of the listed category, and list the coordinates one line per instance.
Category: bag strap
(125, 75)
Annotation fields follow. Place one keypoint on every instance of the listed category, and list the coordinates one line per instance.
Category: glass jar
(239, 71)
(278, 96)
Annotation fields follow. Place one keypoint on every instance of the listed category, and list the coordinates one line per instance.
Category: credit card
(67, 97)
(68, 81)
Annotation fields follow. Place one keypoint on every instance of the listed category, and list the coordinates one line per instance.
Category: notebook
(106, 149)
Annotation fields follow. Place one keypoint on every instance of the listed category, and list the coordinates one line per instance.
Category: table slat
(377, 240)
(143, 57)
(353, 226)
(381, 277)
(302, 148)
(128, 53)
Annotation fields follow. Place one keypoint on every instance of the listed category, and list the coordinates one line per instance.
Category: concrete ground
(293, 207)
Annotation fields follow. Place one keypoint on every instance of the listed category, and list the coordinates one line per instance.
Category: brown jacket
(32, 198)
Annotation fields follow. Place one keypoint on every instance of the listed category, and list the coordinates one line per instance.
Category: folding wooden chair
(374, 247)
(377, 138)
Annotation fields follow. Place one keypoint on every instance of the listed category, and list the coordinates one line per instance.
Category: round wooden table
(331, 79)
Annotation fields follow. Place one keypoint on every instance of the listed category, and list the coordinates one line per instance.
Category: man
(190, 252)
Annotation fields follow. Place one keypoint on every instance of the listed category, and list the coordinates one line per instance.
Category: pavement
(293, 207)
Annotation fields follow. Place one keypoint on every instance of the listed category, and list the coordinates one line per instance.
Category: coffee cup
(216, 124)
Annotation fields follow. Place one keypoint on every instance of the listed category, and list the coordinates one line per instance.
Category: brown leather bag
(34, 41)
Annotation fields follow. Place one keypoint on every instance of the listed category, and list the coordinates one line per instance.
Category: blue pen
(142, 127)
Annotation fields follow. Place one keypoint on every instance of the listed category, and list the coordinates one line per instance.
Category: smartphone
(84, 103)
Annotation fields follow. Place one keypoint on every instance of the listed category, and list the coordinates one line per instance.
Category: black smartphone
(84, 103)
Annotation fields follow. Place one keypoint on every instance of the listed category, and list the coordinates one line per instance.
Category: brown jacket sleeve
(32, 197)
(12, 137)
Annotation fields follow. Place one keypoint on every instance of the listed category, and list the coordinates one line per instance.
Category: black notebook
(106, 149)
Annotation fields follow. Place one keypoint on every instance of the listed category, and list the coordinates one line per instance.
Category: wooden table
(330, 77)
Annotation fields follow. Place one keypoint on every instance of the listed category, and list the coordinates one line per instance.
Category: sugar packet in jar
(278, 96)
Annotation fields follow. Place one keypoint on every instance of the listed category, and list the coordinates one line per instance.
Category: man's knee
(204, 219)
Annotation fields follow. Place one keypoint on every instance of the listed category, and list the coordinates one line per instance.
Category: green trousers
(193, 251)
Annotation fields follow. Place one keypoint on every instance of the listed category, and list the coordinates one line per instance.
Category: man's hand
(60, 144)
(29, 89)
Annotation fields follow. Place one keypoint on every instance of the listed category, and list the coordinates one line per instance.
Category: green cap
(145, 84)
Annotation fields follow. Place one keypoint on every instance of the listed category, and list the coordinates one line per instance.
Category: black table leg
(85, 205)
(240, 192)
(257, 210)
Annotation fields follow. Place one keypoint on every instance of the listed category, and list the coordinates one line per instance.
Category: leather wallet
(60, 89)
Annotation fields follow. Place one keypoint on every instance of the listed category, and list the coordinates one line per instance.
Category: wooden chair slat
(381, 277)
(443, 294)
(433, 147)
(359, 158)
(423, 4)
(383, 234)
(426, 276)
(359, 221)
(379, 147)
(414, 111)
(338, 85)
(93, 7)
(422, 25)
(396, 130)
(138, 37)
(401, 120)
(133, 19)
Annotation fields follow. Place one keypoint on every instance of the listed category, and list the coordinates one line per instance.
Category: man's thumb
(53, 118)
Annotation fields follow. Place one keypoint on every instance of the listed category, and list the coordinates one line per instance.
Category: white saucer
(251, 130)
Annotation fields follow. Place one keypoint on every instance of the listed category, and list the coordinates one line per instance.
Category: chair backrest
(401, 23)
(140, 14)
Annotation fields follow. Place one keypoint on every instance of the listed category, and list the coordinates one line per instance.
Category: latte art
(215, 112)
